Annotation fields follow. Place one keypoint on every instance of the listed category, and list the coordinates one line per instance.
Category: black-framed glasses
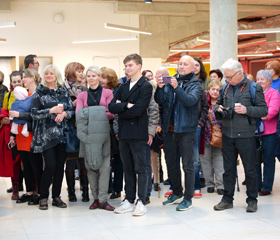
(36, 63)
(230, 78)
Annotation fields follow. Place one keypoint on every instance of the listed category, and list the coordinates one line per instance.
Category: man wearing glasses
(31, 62)
(234, 107)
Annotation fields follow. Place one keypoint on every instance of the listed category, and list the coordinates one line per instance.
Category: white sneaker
(140, 209)
(125, 206)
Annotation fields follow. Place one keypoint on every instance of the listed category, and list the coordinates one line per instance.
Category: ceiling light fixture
(258, 31)
(256, 55)
(191, 50)
(127, 29)
(7, 24)
(129, 38)
(202, 40)
(148, 1)
(3, 40)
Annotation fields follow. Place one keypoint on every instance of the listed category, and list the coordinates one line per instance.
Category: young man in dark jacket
(239, 115)
(179, 101)
(130, 103)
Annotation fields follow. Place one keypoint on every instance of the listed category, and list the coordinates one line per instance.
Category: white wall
(37, 33)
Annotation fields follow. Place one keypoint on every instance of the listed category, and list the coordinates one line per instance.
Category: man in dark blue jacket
(179, 101)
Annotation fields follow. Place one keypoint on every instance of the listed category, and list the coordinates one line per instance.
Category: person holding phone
(179, 101)
(50, 124)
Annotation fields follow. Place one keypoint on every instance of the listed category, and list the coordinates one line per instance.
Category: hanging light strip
(127, 29)
(129, 38)
(258, 31)
(7, 24)
(202, 40)
(3, 40)
(191, 50)
(256, 55)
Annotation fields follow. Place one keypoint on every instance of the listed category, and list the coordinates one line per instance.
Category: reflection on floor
(19, 221)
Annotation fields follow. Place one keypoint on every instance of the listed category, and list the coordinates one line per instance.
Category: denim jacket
(182, 102)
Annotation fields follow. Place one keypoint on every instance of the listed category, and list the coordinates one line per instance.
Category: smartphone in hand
(166, 79)
(10, 144)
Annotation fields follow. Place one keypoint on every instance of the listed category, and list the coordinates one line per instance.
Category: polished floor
(19, 221)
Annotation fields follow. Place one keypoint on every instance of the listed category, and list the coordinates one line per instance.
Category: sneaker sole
(43, 208)
(221, 209)
(183, 209)
(138, 214)
(197, 196)
(124, 211)
(176, 201)
(59, 206)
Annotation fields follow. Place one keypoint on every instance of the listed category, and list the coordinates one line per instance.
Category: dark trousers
(72, 163)
(266, 176)
(32, 166)
(54, 170)
(246, 147)
(183, 142)
(117, 167)
(133, 154)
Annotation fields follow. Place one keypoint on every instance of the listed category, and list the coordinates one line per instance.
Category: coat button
(132, 123)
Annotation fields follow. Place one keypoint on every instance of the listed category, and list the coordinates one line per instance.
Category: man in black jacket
(130, 103)
(238, 115)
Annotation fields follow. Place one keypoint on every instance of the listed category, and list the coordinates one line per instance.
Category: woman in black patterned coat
(51, 110)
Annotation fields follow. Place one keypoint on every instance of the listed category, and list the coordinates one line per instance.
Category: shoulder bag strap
(210, 117)
(92, 98)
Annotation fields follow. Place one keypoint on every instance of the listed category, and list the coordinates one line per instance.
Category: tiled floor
(19, 221)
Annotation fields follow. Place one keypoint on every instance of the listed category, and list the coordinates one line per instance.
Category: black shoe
(43, 204)
(166, 182)
(85, 196)
(59, 203)
(252, 207)
(35, 200)
(202, 182)
(10, 190)
(147, 200)
(115, 195)
(220, 191)
(210, 190)
(222, 206)
(25, 198)
(72, 197)
(156, 187)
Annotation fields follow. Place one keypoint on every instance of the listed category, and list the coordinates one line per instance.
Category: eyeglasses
(36, 63)
(269, 68)
(230, 78)
(215, 89)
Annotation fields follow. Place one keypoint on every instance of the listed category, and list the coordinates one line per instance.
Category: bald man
(179, 101)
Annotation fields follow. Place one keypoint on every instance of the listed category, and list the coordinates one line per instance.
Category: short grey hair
(59, 81)
(164, 71)
(94, 69)
(266, 74)
(232, 64)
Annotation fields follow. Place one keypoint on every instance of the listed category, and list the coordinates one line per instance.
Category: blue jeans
(266, 177)
(183, 142)
(197, 185)
(149, 170)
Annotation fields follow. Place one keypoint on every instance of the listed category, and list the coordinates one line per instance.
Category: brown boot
(15, 195)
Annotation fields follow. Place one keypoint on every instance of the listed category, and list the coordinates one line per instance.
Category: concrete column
(223, 31)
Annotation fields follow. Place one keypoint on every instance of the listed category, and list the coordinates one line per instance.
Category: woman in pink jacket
(272, 98)
(97, 96)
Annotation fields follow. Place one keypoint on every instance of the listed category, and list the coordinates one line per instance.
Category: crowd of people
(113, 131)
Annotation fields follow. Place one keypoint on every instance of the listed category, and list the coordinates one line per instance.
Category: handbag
(216, 134)
(72, 142)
